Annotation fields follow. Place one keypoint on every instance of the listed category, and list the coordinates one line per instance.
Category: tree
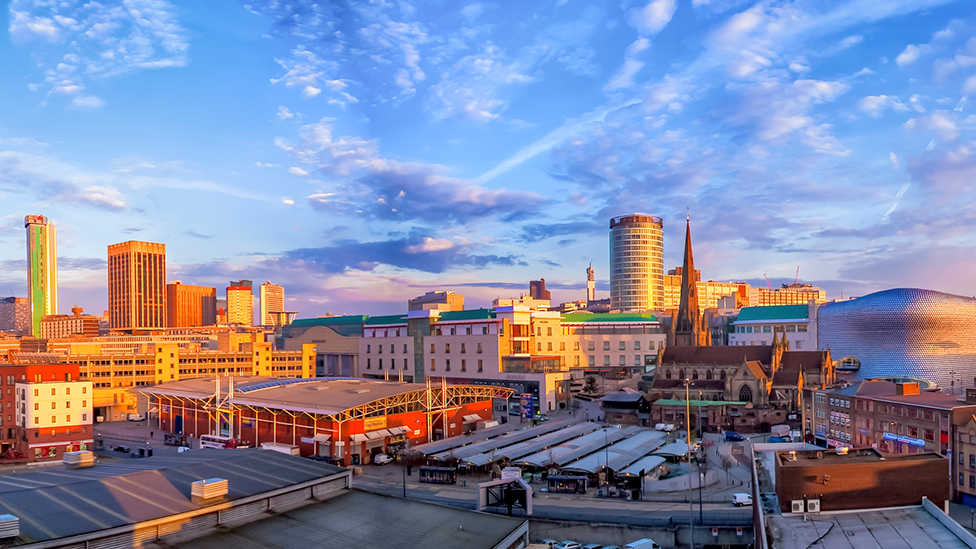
(727, 465)
(589, 386)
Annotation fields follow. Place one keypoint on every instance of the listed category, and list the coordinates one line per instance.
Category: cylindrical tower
(637, 263)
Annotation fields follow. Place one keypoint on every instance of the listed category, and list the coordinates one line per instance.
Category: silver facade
(904, 332)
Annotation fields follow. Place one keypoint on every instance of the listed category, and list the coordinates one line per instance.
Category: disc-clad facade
(637, 263)
(904, 332)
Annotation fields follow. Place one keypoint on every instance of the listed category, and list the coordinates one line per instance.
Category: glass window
(447, 365)
(447, 347)
(562, 345)
(606, 345)
(463, 350)
(433, 365)
(549, 331)
(606, 360)
(622, 346)
(961, 476)
(637, 345)
(480, 366)
(972, 460)
(479, 348)
(591, 346)
(576, 346)
(972, 481)
(432, 351)
(623, 360)
(591, 360)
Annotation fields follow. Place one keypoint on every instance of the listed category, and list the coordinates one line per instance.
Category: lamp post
(701, 479)
(691, 500)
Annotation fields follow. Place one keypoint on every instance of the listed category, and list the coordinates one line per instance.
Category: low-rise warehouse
(345, 419)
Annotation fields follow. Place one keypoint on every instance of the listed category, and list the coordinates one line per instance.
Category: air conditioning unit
(797, 505)
(813, 506)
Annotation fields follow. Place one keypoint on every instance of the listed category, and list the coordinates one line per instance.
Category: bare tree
(727, 465)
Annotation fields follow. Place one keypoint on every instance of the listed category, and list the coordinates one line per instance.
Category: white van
(741, 499)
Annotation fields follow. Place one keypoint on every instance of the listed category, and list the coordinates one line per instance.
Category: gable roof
(756, 369)
(807, 360)
(698, 384)
(787, 376)
(721, 355)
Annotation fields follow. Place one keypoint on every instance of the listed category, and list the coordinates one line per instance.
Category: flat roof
(903, 527)
(317, 395)
(771, 313)
(56, 503)
(806, 458)
(574, 318)
(363, 519)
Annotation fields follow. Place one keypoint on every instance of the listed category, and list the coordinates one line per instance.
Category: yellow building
(112, 374)
(272, 301)
(788, 294)
(709, 292)
(137, 285)
(240, 303)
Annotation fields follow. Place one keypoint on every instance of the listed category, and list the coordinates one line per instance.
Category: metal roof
(643, 466)
(330, 320)
(533, 445)
(677, 448)
(500, 442)
(362, 519)
(796, 313)
(620, 455)
(479, 435)
(611, 435)
(592, 441)
(56, 503)
(575, 318)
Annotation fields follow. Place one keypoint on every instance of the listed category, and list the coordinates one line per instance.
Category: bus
(219, 442)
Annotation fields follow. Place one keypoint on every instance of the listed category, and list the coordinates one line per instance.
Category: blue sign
(526, 401)
(903, 439)
(247, 422)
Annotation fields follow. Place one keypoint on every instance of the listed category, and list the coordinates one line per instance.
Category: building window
(368, 365)
(591, 360)
(667, 374)
(549, 331)
(479, 349)
(623, 360)
(972, 481)
(622, 346)
(54, 419)
(576, 346)
(392, 348)
(562, 345)
(972, 460)
(694, 374)
(961, 476)
(606, 360)
(54, 405)
(577, 361)
(380, 365)
(447, 365)
(961, 456)
(67, 419)
(433, 365)
(84, 403)
(464, 365)
(708, 374)
(453, 331)
(637, 360)
(467, 331)
(745, 394)
(463, 349)
(35, 423)
(606, 345)
(722, 375)
(549, 346)
(480, 366)
(404, 348)
(447, 347)
(591, 346)
(367, 350)
(432, 351)
(35, 392)
(36, 406)
(538, 347)
(930, 435)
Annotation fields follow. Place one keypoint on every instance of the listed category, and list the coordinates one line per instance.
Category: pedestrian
(150, 434)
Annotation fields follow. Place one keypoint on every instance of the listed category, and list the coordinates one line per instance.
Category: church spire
(687, 328)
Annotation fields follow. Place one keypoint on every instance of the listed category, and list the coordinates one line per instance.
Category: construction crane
(797, 279)
(767, 282)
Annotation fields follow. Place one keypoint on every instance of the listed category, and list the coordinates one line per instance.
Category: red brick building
(347, 420)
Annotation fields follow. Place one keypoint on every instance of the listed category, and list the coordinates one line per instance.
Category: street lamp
(691, 500)
(701, 479)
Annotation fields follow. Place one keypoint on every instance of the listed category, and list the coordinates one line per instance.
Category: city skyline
(413, 153)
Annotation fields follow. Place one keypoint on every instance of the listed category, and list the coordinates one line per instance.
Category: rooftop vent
(358, 391)
(208, 489)
(842, 450)
(9, 526)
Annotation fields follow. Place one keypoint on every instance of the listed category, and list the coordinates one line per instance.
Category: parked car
(182, 449)
(549, 542)
(645, 543)
(741, 499)
(567, 544)
(593, 546)
(382, 459)
(612, 547)
(779, 439)
(733, 436)
(121, 448)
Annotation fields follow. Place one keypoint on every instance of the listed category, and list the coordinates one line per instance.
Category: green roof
(471, 314)
(609, 317)
(773, 312)
(387, 319)
(330, 320)
(696, 403)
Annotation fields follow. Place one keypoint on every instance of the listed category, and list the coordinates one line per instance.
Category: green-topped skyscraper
(42, 269)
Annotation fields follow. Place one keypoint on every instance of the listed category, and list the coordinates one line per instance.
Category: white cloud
(653, 17)
(25, 27)
(430, 245)
(467, 90)
(909, 56)
(311, 91)
(288, 201)
(942, 122)
(295, 170)
(624, 78)
(87, 102)
(875, 104)
(266, 165)
(894, 160)
(284, 113)
(970, 85)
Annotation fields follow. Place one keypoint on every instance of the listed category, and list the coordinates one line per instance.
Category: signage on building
(837, 443)
(526, 403)
(904, 440)
(863, 431)
(738, 450)
(247, 422)
(166, 407)
(307, 440)
(374, 423)
(515, 376)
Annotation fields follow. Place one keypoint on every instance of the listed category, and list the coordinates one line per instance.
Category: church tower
(687, 325)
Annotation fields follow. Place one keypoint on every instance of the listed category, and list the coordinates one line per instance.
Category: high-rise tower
(687, 323)
(590, 283)
(637, 263)
(240, 302)
(137, 285)
(42, 269)
(272, 301)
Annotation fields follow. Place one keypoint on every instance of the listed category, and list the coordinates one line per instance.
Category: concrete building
(336, 341)
(787, 294)
(240, 303)
(590, 283)
(189, 306)
(15, 315)
(636, 263)
(137, 285)
(347, 420)
(75, 324)
(759, 325)
(55, 416)
(440, 300)
(537, 290)
(42, 269)
(964, 454)
(272, 301)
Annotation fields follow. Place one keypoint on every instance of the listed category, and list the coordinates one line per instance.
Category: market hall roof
(317, 395)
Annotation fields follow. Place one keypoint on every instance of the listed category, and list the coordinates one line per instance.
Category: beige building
(637, 263)
(65, 326)
(188, 306)
(441, 300)
(272, 301)
(137, 285)
(788, 294)
(240, 303)
(43, 405)
(709, 291)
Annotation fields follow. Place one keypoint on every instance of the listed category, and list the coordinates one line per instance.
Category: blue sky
(361, 153)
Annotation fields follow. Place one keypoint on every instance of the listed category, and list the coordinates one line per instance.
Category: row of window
(768, 329)
(54, 391)
(54, 405)
(621, 360)
(54, 419)
(447, 365)
(694, 374)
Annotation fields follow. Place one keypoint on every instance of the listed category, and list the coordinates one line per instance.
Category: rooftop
(573, 318)
(363, 519)
(330, 320)
(319, 395)
(773, 312)
(696, 403)
(716, 356)
(56, 503)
